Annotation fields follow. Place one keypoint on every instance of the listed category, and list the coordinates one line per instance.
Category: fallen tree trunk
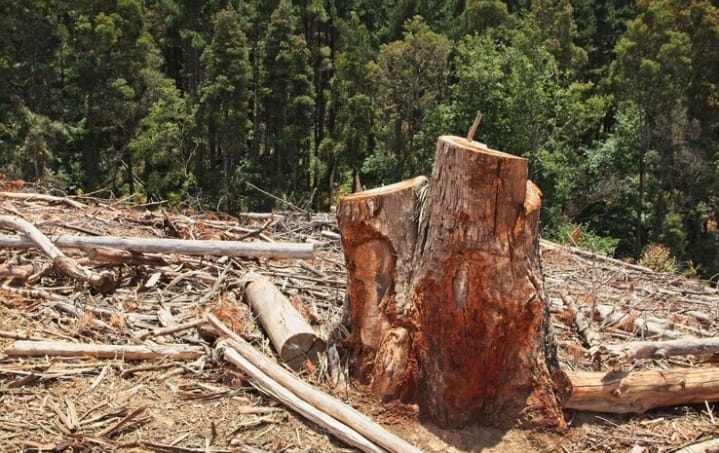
(104, 281)
(638, 391)
(104, 351)
(447, 288)
(187, 247)
(293, 338)
(320, 400)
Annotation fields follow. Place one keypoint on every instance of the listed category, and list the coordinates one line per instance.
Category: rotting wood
(293, 338)
(103, 351)
(320, 400)
(622, 392)
(275, 250)
(103, 281)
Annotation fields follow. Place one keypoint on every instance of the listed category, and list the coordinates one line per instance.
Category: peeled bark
(450, 280)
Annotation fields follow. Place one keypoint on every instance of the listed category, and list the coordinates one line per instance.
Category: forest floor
(208, 405)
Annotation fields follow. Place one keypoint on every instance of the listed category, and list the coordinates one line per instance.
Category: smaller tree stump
(378, 238)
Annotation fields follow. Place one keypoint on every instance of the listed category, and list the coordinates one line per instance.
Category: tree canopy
(616, 104)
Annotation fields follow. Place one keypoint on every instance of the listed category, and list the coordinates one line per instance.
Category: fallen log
(293, 338)
(103, 281)
(318, 399)
(187, 247)
(623, 392)
(103, 351)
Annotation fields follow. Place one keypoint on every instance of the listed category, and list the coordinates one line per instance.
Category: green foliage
(615, 104)
(580, 235)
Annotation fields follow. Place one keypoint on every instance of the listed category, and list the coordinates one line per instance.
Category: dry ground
(82, 404)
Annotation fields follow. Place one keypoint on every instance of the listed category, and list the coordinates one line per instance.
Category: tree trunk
(452, 278)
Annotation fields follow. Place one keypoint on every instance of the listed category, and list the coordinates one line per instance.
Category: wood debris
(203, 403)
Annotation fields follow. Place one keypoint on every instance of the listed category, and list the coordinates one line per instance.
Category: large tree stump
(472, 332)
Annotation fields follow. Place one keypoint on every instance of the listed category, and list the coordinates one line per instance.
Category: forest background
(614, 103)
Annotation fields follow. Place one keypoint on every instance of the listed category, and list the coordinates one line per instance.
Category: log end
(416, 182)
(478, 147)
(302, 347)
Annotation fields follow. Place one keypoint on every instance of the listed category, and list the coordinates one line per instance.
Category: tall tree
(222, 113)
(287, 102)
(411, 79)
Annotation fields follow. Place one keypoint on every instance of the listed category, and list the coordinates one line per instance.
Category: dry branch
(636, 392)
(103, 351)
(660, 349)
(314, 397)
(187, 247)
(584, 325)
(42, 197)
(103, 281)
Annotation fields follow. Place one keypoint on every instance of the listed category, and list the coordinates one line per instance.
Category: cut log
(636, 392)
(104, 351)
(187, 247)
(446, 283)
(293, 338)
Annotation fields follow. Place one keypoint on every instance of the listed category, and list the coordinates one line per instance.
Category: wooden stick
(104, 351)
(187, 247)
(316, 398)
(172, 329)
(104, 281)
(42, 197)
(636, 392)
(545, 244)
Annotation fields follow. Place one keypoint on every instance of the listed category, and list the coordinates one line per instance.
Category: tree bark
(622, 392)
(446, 283)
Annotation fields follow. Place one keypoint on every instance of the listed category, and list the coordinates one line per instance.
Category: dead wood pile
(199, 402)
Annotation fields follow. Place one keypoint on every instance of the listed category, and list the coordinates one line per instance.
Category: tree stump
(464, 329)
